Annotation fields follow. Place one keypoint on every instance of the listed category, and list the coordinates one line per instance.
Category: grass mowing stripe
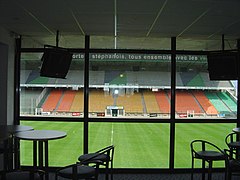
(185, 133)
(143, 145)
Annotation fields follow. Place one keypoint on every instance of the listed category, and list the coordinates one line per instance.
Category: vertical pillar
(17, 80)
(173, 92)
(86, 94)
(3, 82)
(238, 86)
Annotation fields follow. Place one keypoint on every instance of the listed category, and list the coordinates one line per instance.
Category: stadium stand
(52, 100)
(73, 78)
(186, 102)
(28, 100)
(216, 84)
(141, 78)
(131, 103)
(24, 76)
(96, 77)
(163, 102)
(77, 104)
(187, 77)
(218, 103)
(98, 101)
(179, 81)
(151, 102)
(196, 81)
(67, 100)
(205, 103)
(228, 101)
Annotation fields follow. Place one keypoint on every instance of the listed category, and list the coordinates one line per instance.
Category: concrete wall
(7, 49)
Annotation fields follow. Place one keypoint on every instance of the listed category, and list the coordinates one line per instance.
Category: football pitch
(137, 145)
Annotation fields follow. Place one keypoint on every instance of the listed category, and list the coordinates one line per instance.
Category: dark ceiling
(148, 24)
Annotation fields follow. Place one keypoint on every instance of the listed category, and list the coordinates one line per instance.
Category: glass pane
(66, 41)
(126, 42)
(137, 145)
(62, 151)
(44, 96)
(197, 96)
(186, 133)
(129, 85)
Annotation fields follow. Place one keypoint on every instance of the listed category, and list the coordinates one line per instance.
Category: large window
(138, 145)
(199, 97)
(128, 98)
(129, 85)
(61, 152)
(185, 133)
(44, 96)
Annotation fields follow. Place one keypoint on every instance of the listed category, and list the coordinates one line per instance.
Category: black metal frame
(86, 120)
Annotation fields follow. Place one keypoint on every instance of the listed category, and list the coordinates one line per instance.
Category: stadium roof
(197, 24)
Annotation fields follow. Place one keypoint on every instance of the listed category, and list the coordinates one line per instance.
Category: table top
(7, 130)
(41, 135)
(236, 130)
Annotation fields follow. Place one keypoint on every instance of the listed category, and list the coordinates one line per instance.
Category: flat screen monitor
(55, 63)
(223, 65)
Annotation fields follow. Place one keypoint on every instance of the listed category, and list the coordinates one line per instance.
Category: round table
(236, 130)
(11, 146)
(40, 140)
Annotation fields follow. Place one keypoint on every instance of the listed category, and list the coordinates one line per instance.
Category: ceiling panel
(139, 22)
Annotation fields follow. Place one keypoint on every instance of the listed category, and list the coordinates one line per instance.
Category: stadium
(126, 85)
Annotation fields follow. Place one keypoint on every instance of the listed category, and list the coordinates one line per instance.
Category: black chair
(103, 157)
(233, 143)
(233, 164)
(207, 152)
(77, 171)
(82, 170)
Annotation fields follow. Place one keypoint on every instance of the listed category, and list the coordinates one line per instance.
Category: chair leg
(229, 175)
(210, 170)
(56, 176)
(107, 170)
(192, 169)
(203, 168)
(111, 171)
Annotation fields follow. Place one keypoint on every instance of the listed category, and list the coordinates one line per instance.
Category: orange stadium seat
(186, 102)
(77, 104)
(151, 102)
(52, 100)
(205, 103)
(163, 102)
(66, 101)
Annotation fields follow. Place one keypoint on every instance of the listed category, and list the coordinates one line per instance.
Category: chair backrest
(109, 150)
(232, 137)
(202, 145)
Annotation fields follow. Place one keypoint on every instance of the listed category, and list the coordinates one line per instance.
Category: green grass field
(138, 145)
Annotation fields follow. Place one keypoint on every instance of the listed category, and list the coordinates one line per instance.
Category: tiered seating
(163, 102)
(186, 102)
(77, 104)
(218, 104)
(131, 103)
(150, 102)
(66, 101)
(205, 103)
(228, 101)
(52, 101)
(98, 101)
